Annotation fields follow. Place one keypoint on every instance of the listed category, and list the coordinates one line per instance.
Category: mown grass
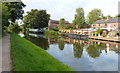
(28, 57)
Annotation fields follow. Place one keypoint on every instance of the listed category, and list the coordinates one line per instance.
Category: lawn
(28, 57)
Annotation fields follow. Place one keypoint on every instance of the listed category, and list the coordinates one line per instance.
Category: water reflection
(79, 54)
(78, 49)
(61, 44)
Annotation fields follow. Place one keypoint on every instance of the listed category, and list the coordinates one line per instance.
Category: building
(108, 24)
(55, 23)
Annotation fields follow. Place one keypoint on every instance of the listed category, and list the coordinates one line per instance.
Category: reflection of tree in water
(61, 44)
(78, 49)
(40, 41)
(94, 50)
(115, 49)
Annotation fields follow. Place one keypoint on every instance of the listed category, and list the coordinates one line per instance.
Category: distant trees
(62, 23)
(94, 15)
(79, 18)
(36, 19)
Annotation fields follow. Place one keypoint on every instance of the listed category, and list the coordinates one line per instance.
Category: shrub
(51, 32)
(104, 35)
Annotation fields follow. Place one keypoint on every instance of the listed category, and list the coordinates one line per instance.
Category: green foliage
(26, 56)
(14, 27)
(36, 19)
(104, 35)
(15, 9)
(62, 23)
(70, 26)
(94, 15)
(5, 17)
(56, 28)
(98, 31)
(51, 32)
(79, 18)
(112, 33)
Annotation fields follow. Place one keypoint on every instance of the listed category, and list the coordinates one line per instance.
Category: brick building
(55, 23)
(108, 24)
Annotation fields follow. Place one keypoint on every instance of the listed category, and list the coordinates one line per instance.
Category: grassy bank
(28, 57)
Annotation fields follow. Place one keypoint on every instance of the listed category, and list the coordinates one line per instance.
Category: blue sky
(66, 8)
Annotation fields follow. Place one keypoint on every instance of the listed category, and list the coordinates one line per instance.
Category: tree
(10, 12)
(62, 23)
(117, 15)
(79, 18)
(15, 9)
(36, 19)
(14, 27)
(94, 15)
(5, 17)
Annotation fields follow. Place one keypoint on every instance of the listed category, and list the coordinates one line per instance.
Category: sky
(66, 8)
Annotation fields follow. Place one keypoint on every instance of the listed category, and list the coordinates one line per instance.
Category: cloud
(66, 8)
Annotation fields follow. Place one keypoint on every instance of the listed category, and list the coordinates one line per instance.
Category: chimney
(109, 17)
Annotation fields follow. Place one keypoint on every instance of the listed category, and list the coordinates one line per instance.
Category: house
(55, 23)
(107, 25)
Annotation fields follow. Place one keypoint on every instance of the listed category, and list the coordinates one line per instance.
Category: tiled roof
(112, 20)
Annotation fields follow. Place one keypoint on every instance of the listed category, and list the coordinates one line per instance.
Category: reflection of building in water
(107, 48)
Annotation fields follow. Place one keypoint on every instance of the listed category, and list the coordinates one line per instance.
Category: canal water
(81, 55)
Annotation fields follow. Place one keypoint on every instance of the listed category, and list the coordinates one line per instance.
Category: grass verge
(28, 57)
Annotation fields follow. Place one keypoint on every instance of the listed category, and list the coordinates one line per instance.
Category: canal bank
(28, 57)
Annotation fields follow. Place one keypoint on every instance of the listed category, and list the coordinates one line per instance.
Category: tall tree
(94, 15)
(5, 16)
(15, 9)
(36, 19)
(79, 18)
(62, 23)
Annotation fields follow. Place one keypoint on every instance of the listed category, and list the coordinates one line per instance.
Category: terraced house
(107, 25)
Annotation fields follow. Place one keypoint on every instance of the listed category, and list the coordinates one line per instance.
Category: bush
(51, 32)
(104, 35)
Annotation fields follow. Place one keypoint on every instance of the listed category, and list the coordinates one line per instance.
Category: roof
(112, 20)
(57, 21)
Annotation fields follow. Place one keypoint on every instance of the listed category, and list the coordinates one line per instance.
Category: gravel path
(6, 59)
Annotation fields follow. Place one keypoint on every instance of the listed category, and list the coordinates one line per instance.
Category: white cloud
(66, 8)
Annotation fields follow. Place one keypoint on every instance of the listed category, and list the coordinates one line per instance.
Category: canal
(81, 55)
